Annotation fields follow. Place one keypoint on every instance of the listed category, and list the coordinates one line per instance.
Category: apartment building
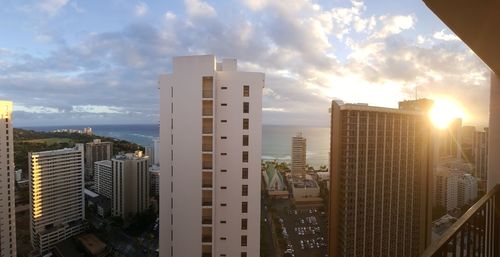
(210, 137)
(7, 183)
(130, 184)
(381, 181)
(96, 151)
(480, 148)
(56, 196)
(298, 156)
(103, 178)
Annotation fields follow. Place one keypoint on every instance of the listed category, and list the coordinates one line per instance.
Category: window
(223, 170)
(245, 124)
(245, 140)
(244, 224)
(243, 254)
(222, 238)
(223, 104)
(244, 207)
(246, 90)
(243, 240)
(223, 204)
(223, 137)
(223, 121)
(223, 88)
(223, 187)
(246, 107)
(207, 83)
(222, 222)
(207, 143)
(244, 190)
(245, 156)
(244, 173)
(223, 154)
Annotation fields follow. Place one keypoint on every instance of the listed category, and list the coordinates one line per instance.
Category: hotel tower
(7, 179)
(56, 196)
(381, 181)
(210, 146)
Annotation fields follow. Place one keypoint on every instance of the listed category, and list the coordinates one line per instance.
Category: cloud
(198, 8)
(311, 53)
(442, 35)
(395, 24)
(97, 109)
(51, 7)
(141, 9)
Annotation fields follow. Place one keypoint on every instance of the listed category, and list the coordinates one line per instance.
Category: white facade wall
(181, 159)
(56, 196)
(7, 186)
(103, 178)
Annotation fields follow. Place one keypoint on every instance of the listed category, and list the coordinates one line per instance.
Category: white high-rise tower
(56, 196)
(7, 179)
(210, 139)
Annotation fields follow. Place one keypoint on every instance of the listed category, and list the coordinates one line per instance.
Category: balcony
(476, 233)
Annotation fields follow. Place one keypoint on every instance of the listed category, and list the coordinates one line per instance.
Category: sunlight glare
(444, 112)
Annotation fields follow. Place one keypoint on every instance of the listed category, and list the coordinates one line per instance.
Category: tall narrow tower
(7, 178)
(298, 156)
(210, 147)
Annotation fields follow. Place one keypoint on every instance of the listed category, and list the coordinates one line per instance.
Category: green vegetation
(26, 141)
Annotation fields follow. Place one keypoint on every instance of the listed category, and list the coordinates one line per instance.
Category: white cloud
(52, 7)
(141, 9)
(441, 35)
(97, 109)
(273, 109)
(170, 16)
(395, 24)
(198, 8)
(35, 109)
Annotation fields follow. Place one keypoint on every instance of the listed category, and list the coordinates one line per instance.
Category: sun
(444, 111)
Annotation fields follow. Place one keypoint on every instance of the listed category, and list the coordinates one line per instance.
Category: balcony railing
(476, 233)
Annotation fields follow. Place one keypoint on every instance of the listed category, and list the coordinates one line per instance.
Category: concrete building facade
(130, 184)
(103, 178)
(7, 183)
(381, 181)
(56, 196)
(96, 151)
(210, 159)
(298, 156)
(480, 147)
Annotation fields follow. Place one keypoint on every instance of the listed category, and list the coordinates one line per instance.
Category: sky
(89, 62)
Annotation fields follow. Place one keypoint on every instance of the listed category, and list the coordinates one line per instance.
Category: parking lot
(304, 231)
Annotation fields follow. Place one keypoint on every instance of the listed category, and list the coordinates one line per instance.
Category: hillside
(26, 141)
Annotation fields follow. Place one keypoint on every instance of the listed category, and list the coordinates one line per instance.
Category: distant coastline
(276, 139)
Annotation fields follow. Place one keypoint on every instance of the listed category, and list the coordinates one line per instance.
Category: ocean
(276, 140)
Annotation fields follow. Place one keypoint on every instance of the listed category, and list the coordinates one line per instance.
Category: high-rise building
(299, 156)
(7, 180)
(149, 151)
(450, 140)
(381, 181)
(96, 151)
(480, 147)
(454, 185)
(468, 143)
(103, 178)
(210, 137)
(56, 196)
(156, 151)
(154, 174)
(130, 184)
